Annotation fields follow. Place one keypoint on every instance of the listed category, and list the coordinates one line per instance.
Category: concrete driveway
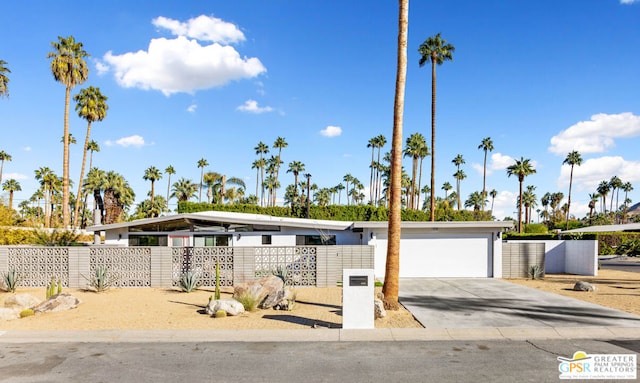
(487, 302)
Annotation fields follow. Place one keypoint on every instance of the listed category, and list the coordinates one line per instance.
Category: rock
(378, 309)
(8, 314)
(268, 291)
(20, 302)
(583, 286)
(231, 306)
(58, 302)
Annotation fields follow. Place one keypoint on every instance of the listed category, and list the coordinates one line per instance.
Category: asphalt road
(623, 264)
(335, 362)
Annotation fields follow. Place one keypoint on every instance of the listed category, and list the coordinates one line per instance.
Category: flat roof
(605, 228)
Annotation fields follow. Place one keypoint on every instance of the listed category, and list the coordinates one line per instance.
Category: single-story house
(427, 249)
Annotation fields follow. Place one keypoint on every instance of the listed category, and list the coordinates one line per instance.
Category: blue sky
(210, 79)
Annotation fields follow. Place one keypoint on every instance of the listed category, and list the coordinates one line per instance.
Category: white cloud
(101, 67)
(15, 176)
(251, 106)
(587, 176)
(135, 140)
(497, 161)
(504, 205)
(183, 64)
(596, 135)
(192, 108)
(203, 28)
(628, 1)
(331, 131)
(27, 148)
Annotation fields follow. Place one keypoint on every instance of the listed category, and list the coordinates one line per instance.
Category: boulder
(58, 302)
(268, 291)
(584, 286)
(231, 306)
(8, 314)
(378, 309)
(21, 301)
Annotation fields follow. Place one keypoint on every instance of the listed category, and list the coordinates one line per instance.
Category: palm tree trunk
(569, 198)
(392, 269)
(65, 161)
(484, 180)
(433, 139)
(84, 161)
(520, 209)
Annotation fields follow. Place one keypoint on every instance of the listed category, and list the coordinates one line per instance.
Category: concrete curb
(321, 335)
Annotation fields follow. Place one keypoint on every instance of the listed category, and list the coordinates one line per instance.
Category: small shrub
(26, 313)
(101, 279)
(56, 238)
(220, 314)
(247, 300)
(535, 272)
(11, 281)
(189, 282)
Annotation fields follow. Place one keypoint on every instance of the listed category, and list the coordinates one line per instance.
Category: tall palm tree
(118, 195)
(446, 187)
(521, 168)
(261, 149)
(615, 183)
(487, 146)
(603, 189)
(529, 200)
(280, 143)
(69, 68)
(493, 193)
(435, 50)
(11, 185)
(4, 156)
(211, 179)
(91, 106)
(416, 148)
(572, 159)
(381, 141)
(92, 147)
(459, 175)
(152, 174)
(348, 178)
(169, 170)
(308, 199)
(295, 167)
(626, 188)
(258, 165)
(593, 199)
(95, 184)
(372, 144)
(390, 288)
(4, 80)
(202, 163)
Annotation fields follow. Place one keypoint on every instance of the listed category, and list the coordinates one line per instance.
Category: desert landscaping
(154, 308)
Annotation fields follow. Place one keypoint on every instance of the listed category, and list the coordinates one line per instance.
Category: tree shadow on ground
(556, 314)
(303, 321)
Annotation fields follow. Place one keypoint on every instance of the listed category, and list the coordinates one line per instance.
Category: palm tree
(521, 168)
(446, 187)
(169, 170)
(295, 167)
(261, 149)
(11, 185)
(201, 164)
(381, 141)
(603, 189)
(184, 189)
(373, 143)
(572, 159)
(92, 106)
(118, 195)
(626, 188)
(69, 68)
(615, 183)
(593, 199)
(493, 193)
(459, 175)
(435, 50)
(95, 183)
(475, 200)
(47, 179)
(416, 148)
(152, 174)
(487, 146)
(529, 200)
(4, 156)
(4, 80)
(390, 288)
(279, 144)
(348, 178)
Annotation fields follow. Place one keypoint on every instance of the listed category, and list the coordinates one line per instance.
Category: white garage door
(443, 256)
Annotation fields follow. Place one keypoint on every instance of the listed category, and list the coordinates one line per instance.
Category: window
(212, 240)
(310, 240)
(266, 240)
(148, 240)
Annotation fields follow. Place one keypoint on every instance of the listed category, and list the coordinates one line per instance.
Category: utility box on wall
(357, 299)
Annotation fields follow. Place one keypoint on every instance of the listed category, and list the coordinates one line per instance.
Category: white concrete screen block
(357, 299)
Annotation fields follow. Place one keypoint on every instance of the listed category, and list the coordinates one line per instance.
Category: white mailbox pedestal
(357, 298)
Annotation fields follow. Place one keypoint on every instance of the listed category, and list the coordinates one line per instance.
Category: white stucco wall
(569, 256)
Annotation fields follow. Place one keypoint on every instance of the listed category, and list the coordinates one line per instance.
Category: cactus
(190, 281)
(26, 313)
(217, 281)
(221, 314)
(59, 287)
(51, 288)
(11, 280)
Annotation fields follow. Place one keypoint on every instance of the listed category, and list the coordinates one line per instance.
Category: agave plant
(11, 280)
(101, 279)
(190, 281)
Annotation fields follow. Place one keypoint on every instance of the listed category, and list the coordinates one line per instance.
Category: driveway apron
(486, 302)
